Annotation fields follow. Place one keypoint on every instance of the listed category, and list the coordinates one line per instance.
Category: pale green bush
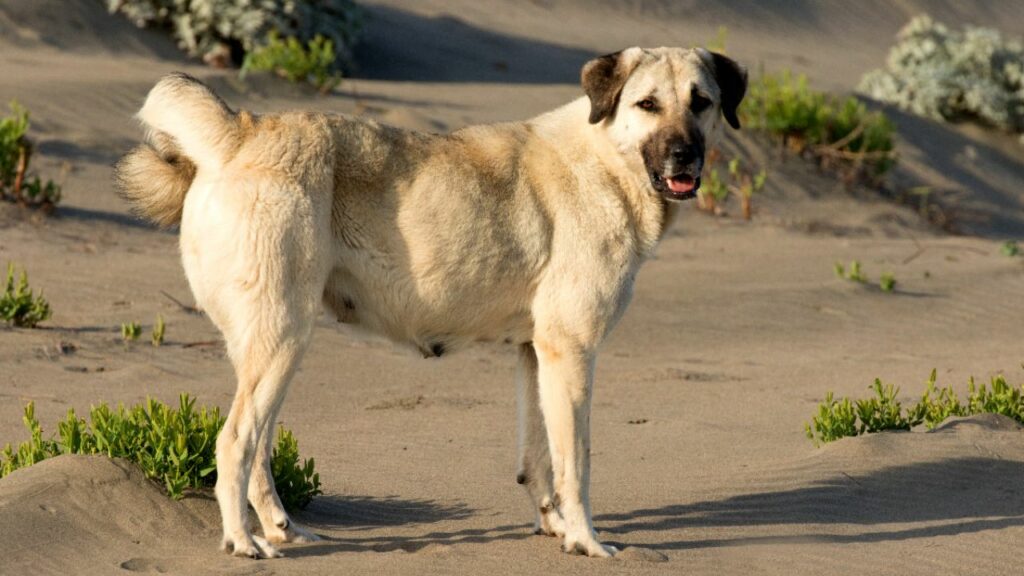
(204, 27)
(945, 74)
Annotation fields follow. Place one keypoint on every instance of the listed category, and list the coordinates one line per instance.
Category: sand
(736, 332)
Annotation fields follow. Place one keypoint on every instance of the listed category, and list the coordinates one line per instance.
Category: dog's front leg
(565, 375)
(534, 455)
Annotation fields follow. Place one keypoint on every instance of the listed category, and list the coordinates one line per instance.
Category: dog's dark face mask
(662, 106)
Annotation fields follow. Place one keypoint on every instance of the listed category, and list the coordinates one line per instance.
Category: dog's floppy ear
(603, 78)
(732, 85)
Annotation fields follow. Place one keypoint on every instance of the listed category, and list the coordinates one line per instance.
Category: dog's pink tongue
(680, 184)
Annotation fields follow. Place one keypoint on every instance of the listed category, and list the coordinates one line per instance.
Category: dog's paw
(550, 523)
(587, 545)
(290, 532)
(246, 546)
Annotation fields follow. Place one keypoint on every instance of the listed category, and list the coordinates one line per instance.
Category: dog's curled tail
(189, 128)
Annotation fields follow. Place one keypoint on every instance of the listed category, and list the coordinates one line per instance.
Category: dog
(528, 233)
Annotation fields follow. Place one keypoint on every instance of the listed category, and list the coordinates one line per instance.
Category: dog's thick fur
(528, 233)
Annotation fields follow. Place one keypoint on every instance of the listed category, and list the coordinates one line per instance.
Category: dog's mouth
(678, 187)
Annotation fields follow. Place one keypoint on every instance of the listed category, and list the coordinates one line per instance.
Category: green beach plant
(842, 418)
(835, 419)
(839, 132)
(19, 305)
(16, 183)
(713, 192)
(716, 189)
(854, 273)
(748, 185)
(159, 329)
(881, 412)
(887, 282)
(174, 446)
(130, 331)
(13, 144)
(296, 62)
(718, 43)
(297, 481)
(937, 404)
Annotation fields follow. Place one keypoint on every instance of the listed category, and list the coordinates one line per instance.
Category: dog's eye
(647, 104)
(699, 103)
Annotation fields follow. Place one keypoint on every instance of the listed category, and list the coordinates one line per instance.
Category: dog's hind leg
(277, 525)
(534, 456)
(566, 373)
(262, 286)
(265, 364)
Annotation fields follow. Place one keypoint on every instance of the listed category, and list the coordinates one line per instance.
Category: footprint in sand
(144, 566)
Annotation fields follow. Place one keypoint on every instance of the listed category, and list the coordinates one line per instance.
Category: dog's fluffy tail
(189, 129)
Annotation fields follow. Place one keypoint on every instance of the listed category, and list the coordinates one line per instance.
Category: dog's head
(663, 105)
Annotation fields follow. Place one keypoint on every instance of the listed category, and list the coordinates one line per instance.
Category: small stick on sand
(182, 305)
(918, 252)
(201, 343)
(19, 175)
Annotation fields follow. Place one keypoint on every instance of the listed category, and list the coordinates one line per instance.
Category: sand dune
(736, 332)
(868, 503)
(834, 42)
(96, 512)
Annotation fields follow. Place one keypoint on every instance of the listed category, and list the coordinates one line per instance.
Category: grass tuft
(159, 329)
(130, 331)
(853, 274)
(887, 282)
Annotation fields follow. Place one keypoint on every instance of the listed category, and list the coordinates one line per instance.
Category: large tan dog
(528, 233)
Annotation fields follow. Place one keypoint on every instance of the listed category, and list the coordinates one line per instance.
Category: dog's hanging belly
(433, 325)
(442, 248)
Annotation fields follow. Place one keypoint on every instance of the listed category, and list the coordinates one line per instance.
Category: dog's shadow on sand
(965, 494)
(942, 498)
(359, 514)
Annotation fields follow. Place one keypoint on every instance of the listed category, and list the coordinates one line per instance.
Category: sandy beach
(736, 332)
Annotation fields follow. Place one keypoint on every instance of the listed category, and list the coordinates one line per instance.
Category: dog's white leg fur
(266, 352)
(262, 384)
(565, 373)
(534, 456)
(235, 447)
(262, 288)
(277, 525)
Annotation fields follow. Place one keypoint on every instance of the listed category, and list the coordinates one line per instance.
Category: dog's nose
(684, 153)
